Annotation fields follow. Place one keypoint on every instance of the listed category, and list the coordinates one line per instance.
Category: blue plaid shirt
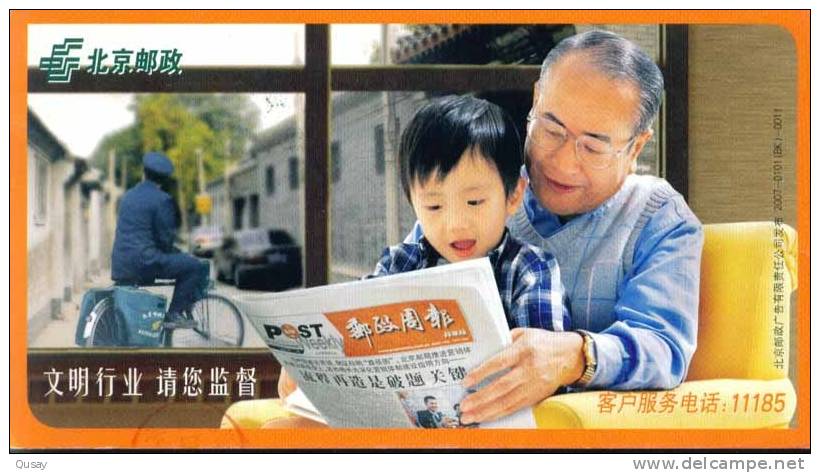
(528, 279)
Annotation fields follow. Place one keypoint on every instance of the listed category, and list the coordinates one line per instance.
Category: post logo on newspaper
(299, 338)
(401, 326)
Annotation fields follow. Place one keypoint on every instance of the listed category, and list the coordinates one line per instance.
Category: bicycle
(218, 323)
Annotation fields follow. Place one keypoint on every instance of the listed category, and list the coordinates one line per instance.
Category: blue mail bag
(143, 313)
(139, 314)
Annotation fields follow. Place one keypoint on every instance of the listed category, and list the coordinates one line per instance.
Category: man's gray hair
(618, 58)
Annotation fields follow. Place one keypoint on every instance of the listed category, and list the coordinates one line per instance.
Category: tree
(233, 117)
(217, 126)
(127, 147)
(167, 125)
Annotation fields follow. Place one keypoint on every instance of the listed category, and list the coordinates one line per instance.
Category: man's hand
(539, 361)
(449, 422)
(286, 384)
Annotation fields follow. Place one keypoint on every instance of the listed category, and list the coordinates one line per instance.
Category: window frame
(317, 79)
(270, 180)
(379, 149)
(293, 173)
(335, 161)
(253, 211)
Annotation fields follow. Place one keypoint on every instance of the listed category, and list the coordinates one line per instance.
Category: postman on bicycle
(144, 242)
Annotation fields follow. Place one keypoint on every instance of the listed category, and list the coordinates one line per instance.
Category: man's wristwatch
(590, 359)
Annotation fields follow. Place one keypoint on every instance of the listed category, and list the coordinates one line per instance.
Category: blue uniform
(144, 246)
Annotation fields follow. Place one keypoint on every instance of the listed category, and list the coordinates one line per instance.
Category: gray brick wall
(358, 198)
(281, 209)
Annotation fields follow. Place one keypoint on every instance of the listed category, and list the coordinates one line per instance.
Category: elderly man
(628, 246)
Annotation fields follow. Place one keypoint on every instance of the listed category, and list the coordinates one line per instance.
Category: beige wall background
(738, 76)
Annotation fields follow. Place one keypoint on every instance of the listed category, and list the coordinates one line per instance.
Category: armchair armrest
(254, 413)
(707, 404)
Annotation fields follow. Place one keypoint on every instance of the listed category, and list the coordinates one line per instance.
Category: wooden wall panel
(738, 77)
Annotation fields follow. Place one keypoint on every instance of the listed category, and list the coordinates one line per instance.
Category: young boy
(460, 169)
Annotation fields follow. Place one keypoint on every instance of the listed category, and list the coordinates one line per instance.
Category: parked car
(260, 259)
(205, 240)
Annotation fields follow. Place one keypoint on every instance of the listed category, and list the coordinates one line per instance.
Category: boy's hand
(286, 384)
(539, 362)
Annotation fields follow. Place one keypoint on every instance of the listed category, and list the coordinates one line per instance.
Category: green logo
(61, 64)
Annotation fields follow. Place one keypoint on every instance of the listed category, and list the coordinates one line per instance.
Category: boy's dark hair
(442, 130)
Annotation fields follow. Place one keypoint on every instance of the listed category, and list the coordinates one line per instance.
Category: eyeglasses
(550, 136)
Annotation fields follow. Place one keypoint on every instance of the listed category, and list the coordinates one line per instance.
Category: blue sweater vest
(595, 250)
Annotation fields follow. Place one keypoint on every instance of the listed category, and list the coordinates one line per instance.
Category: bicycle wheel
(106, 330)
(219, 324)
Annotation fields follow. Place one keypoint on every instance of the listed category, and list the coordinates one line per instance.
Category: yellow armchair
(736, 379)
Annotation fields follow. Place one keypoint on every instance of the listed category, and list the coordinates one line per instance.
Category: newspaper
(388, 352)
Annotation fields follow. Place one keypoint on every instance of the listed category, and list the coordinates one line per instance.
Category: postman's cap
(158, 163)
